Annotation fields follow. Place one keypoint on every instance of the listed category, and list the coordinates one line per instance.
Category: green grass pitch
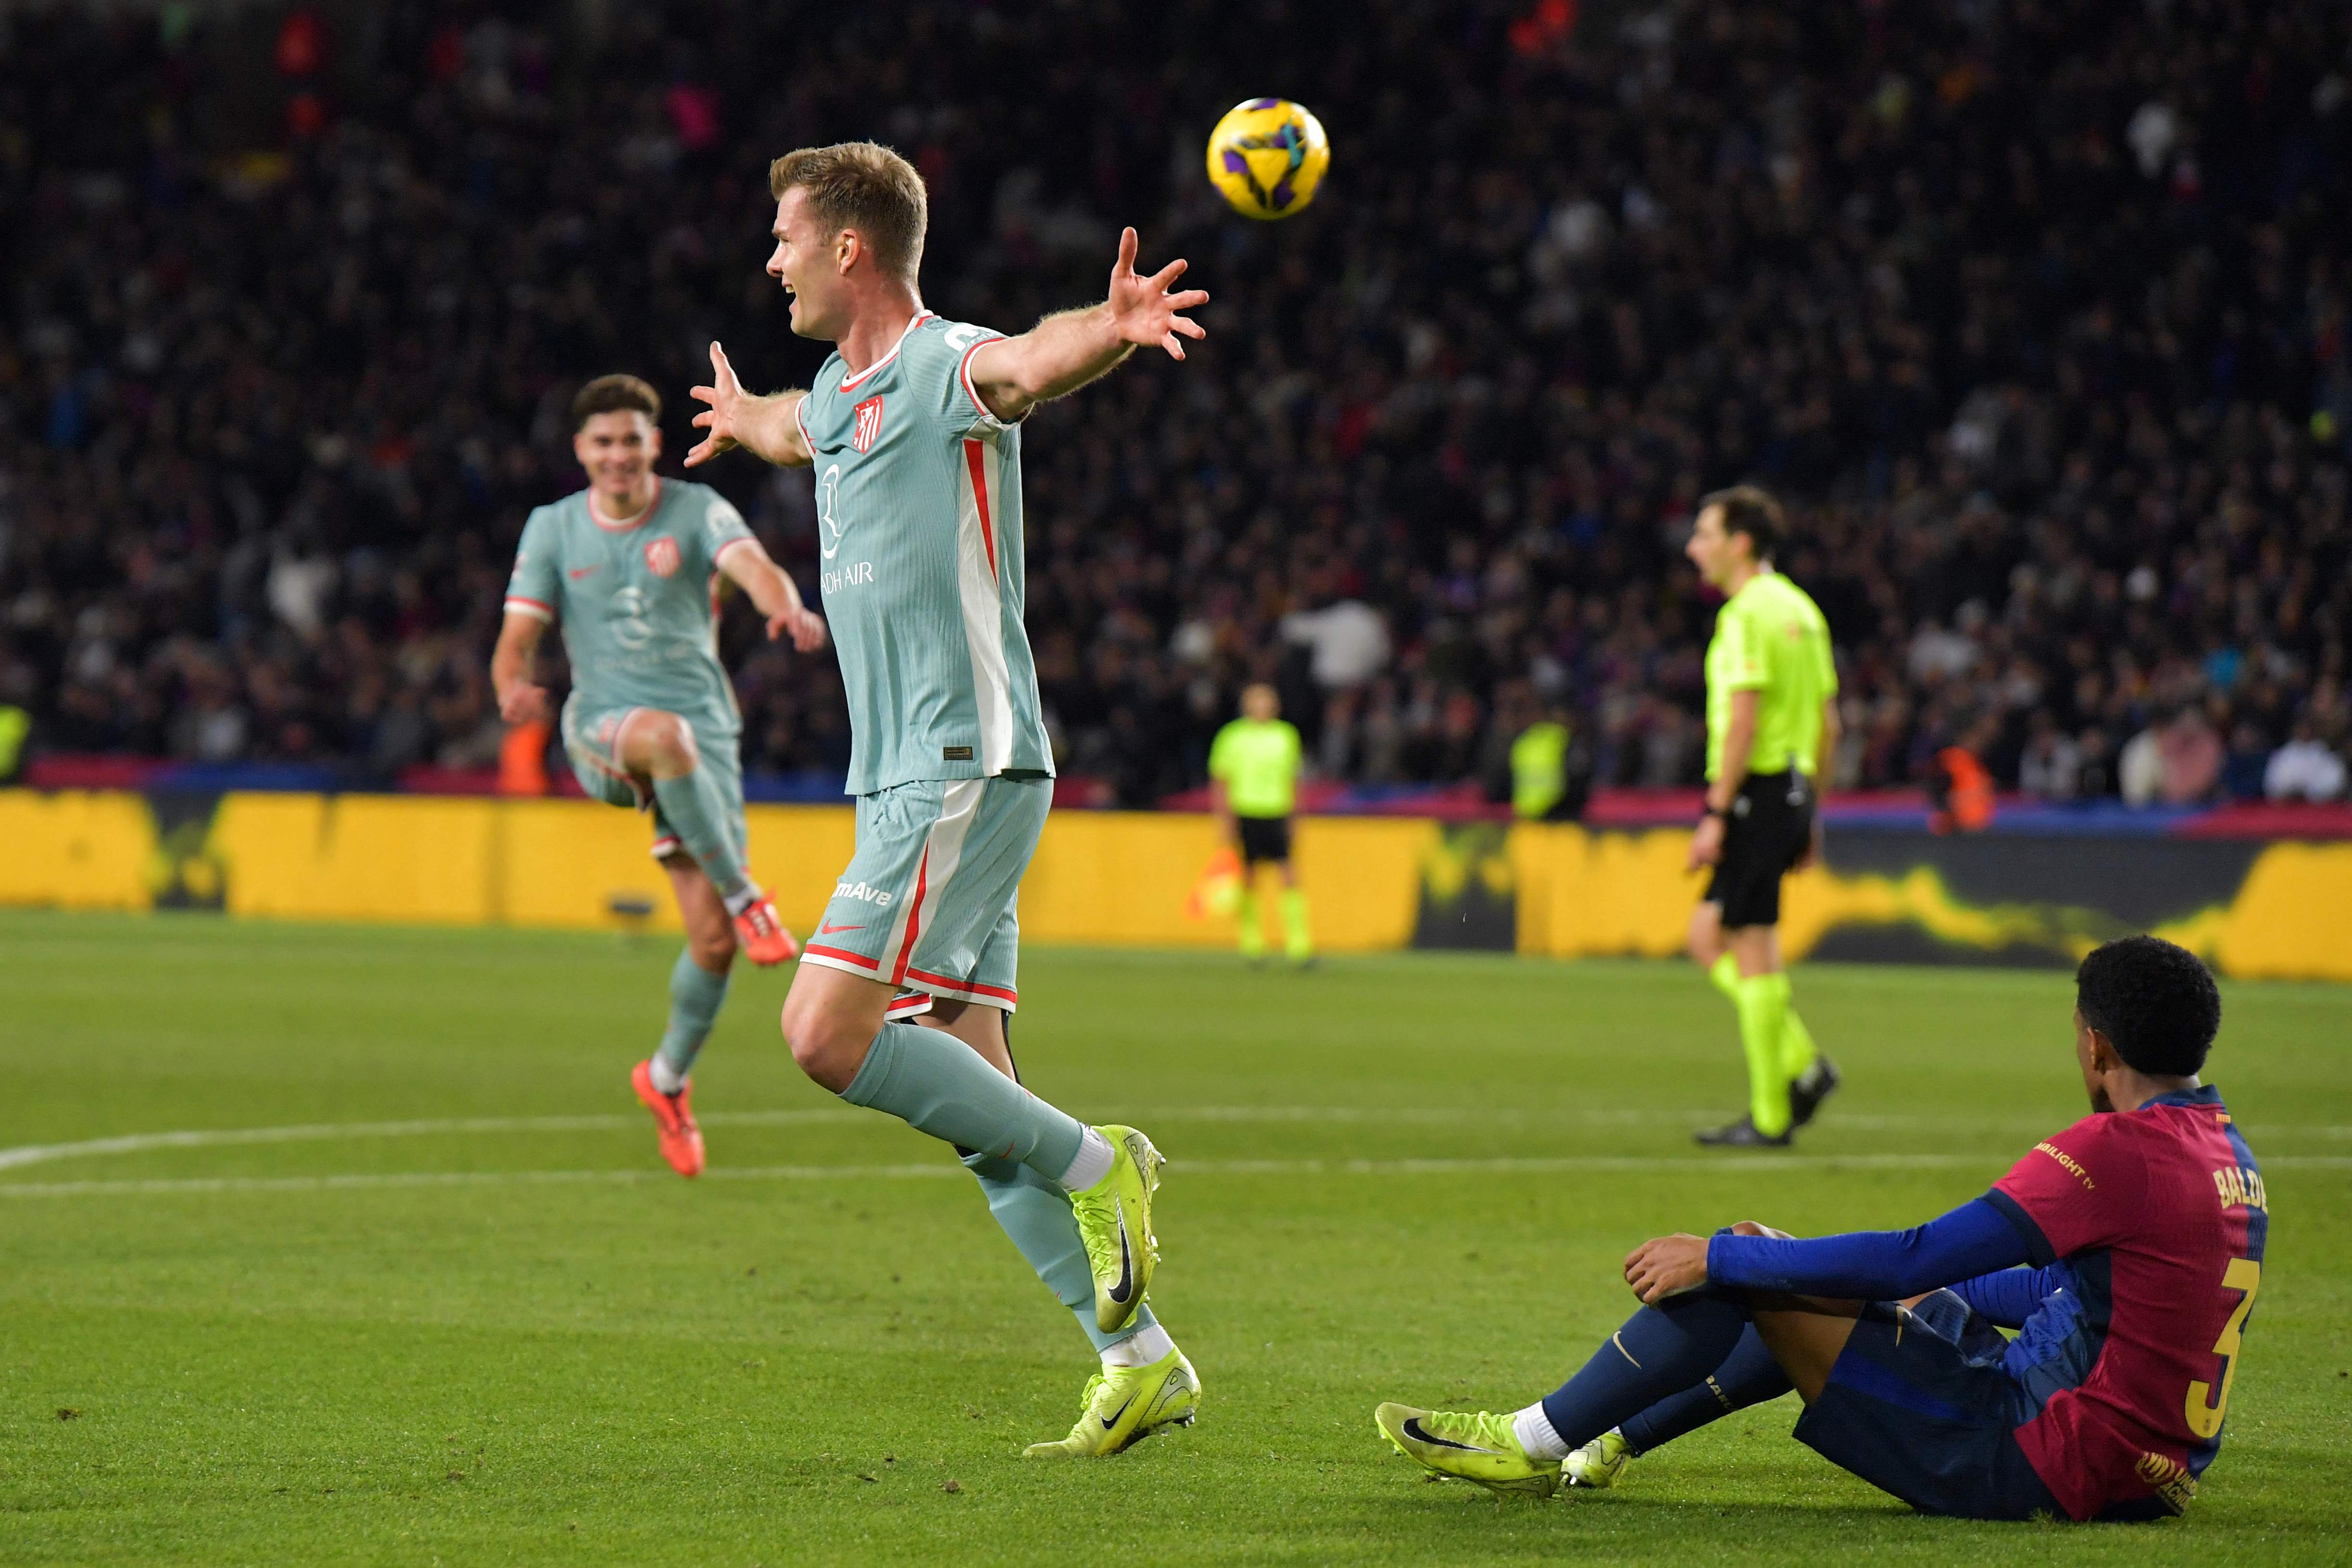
(1403, 1177)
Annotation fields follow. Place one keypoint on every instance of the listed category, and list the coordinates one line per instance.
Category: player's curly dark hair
(2156, 1003)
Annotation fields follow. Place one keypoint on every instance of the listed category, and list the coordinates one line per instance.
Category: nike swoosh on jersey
(586, 570)
(828, 930)
(1414, 1430)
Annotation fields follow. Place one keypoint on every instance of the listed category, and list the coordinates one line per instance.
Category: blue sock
(695, 995)
(1035, 1213)
(1748, 1375)
(1661, 1351)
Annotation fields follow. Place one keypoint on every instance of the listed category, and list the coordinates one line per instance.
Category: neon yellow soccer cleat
(1115, 1223)
(1127, 1404)
(1600, 1463)
(1477, 1448)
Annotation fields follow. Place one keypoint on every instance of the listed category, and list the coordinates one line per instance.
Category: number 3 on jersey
(2204, 1408)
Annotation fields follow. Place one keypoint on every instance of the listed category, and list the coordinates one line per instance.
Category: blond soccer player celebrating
(914, 430)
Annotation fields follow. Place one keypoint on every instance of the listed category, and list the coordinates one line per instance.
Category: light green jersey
(1770, 639)
(919, 522)
(1257, 761)
(1538, 769)
(637, 601)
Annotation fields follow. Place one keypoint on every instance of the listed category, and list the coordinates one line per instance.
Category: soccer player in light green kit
(630, 566)
(1771, 724)
(1254, 788)
(914, 430)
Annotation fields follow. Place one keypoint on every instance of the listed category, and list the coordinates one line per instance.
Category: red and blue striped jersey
(2159, 1216)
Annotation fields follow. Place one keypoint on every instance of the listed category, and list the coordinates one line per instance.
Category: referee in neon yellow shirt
(1254, 787)
(1771, 724)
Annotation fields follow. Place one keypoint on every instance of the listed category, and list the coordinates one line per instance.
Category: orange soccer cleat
(681, 1140)
(763, 938)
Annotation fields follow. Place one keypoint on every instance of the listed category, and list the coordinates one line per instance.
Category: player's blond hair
(864, 186)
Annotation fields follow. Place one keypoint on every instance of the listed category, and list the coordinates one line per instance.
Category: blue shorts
(928, 904)
(1919, 1404)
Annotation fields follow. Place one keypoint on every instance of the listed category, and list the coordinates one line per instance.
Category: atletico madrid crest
(868, 426)
(661, 555)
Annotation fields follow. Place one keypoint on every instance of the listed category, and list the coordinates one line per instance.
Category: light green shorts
(592, 740)
(928, 901)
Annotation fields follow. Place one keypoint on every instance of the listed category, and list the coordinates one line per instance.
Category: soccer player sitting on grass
(630, 567)
(2141, 1227)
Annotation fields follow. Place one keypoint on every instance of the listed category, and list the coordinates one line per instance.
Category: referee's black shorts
(1264, 838)
(1768, 831)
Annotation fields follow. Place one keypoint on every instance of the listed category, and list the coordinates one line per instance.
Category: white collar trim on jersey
(850, 383)
(599, 518)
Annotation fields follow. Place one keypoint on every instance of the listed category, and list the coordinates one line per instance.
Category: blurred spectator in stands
(2192, 753)
(2139, 769)
(2242, 769)
(2303, 768)
(1348, 642)
(2050, 766)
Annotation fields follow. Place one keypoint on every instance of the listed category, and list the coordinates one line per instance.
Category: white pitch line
(326, 1132)
(330, 1131)
(1536, 1165)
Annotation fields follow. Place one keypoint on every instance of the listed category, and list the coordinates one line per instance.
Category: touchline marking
(1529, 1166)
(326, 1132)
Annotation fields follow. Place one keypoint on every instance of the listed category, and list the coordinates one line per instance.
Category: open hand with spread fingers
(725, 394)
(1142, 308)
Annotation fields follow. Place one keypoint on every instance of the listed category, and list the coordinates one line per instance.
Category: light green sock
(1252, 929)
(1035, 1213)
(1724, 975)
(1763, 1003)
(937, 1084)
(1797, 1049)
(1298, 936)
(695, 995)
(693, 807)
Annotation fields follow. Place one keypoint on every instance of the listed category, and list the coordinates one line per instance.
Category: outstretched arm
(773, 593)
(1063, 352)
(1871, 1266)
(768, 428)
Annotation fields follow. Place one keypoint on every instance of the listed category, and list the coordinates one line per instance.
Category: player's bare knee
(672, 743)
(820, 1047)
(1705, 941)
(715, 949)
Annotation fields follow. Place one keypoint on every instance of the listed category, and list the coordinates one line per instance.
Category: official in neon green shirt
(1254, 766)
(1771, 726)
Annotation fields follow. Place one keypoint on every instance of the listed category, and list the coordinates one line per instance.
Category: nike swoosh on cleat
(1414, 1430)
(1126, 1285)
(1112, 1420)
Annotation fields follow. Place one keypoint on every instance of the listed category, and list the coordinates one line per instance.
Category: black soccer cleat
(1817, 1083)
(1740, 1134)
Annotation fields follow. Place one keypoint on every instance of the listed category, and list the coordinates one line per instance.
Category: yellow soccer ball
(1266, 156)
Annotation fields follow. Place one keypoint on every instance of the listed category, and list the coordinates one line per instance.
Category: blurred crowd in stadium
(2036, 308)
